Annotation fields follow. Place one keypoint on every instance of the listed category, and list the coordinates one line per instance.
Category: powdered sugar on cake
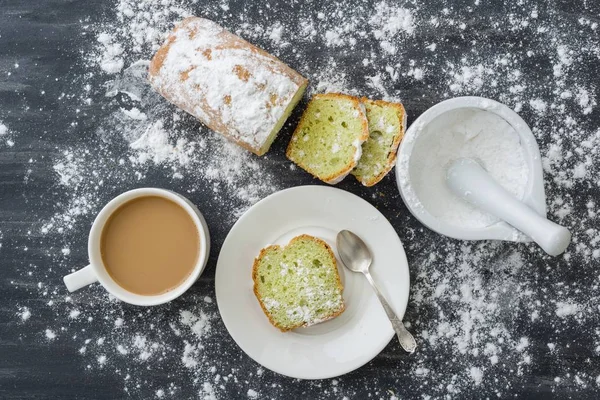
(244, 91)
(357, 144)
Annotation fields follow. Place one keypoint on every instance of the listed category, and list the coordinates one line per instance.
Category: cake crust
(391, 159)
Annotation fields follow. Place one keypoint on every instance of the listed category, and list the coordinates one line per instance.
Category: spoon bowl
(354, 252)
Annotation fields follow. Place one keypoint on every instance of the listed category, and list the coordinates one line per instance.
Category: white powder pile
(465, 133)
(24, 314)
(476, 374)
(154, 146)
(341, 28)
(566, 309)
(5, 136)
(139, 29)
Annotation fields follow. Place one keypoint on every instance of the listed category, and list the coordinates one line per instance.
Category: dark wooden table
(544, 353)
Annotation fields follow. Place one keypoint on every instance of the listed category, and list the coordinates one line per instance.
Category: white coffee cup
(96, 271)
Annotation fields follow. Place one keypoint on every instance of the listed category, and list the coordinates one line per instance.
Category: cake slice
(232, 86)
(328, 140)
(387, 123)
(298, 285)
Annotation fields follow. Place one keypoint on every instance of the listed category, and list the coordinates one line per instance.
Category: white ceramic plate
(334, 347)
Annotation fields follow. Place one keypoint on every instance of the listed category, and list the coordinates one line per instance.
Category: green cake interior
(385, 124)
(298, 285)
(290, 107)
(325, 141)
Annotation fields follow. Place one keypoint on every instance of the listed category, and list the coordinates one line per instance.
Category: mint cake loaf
(298, 285)
(340, 134)
(387, 123)
(230, 85)
(328, 139)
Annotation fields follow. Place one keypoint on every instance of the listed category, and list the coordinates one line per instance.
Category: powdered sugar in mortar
(463, 133)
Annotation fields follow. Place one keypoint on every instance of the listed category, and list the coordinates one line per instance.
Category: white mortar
(418, 136)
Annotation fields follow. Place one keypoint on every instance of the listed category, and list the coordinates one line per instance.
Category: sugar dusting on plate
(478, 310)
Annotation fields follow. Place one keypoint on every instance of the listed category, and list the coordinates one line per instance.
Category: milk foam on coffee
(150, 245)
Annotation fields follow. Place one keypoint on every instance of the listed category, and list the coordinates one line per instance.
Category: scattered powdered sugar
(198, 324)
(154, 146)
(485, 314)
(566, 309)
(387, 21)
(112, 61)
(139, 29)
(538, 105)
(585, 100)
(182, 150)
(476, 374)
(24, 314)
(6, 136)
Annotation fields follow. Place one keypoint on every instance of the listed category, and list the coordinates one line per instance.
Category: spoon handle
(407, 341)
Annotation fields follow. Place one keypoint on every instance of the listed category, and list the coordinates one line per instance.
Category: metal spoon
(356, 257)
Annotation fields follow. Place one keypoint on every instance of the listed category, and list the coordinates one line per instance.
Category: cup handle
(78, 279)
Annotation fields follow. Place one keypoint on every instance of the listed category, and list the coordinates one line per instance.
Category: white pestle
(470, 181)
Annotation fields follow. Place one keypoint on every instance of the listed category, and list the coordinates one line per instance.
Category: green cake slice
(298, 285)
(387, 123)
(328, 140)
